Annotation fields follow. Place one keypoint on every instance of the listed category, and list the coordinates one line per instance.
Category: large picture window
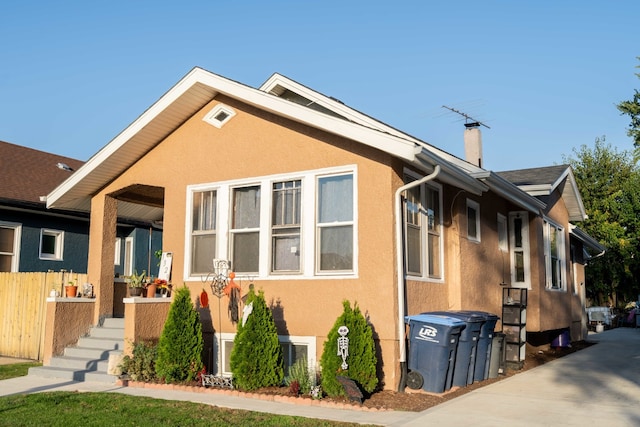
(423, 231)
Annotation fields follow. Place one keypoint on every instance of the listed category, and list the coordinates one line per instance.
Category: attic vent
(219, 115)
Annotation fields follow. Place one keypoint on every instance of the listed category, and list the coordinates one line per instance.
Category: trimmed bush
(361, 360)
(140, 366)
(181, 343)
(256, 359)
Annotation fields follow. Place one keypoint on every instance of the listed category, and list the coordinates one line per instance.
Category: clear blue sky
(545, 75)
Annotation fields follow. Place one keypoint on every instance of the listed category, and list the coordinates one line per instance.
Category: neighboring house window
(554, 255)
(245, 230)
(9, 246)
(51, 244)
(128, 256)
(294, 348)
(285, 226)
(503, 240)
(519, 245)
(473, 221)
(270, 227)
(203, 231)
(423, 231)
(574, 268)
(335, 223)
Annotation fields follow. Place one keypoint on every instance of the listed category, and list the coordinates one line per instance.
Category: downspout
(401, 279)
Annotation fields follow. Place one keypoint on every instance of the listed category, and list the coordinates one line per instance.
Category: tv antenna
(471, 122)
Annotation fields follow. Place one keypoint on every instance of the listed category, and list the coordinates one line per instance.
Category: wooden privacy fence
(23, 311)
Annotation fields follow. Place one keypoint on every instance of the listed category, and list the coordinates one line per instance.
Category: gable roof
(545, 180)
(28, 174)
(192, 93)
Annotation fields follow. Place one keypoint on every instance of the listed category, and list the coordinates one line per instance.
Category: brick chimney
(473, 143)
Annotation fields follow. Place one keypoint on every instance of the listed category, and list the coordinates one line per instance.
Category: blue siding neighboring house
(34, 238)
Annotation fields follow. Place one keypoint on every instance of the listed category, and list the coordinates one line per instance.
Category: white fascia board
(575, 192)
(451, 174)
(537, 190)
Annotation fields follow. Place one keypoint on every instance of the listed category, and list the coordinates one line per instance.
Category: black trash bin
(497, 363)
(483, 350)
(432, 351)
(467, 345)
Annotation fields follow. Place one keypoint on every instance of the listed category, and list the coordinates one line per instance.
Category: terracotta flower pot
(151, 291)
(71, 291)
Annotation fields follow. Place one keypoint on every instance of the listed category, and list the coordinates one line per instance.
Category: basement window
(219, 115)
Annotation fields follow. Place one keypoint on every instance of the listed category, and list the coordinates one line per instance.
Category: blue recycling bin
(432, 351)
(485, 340)
(467, 346)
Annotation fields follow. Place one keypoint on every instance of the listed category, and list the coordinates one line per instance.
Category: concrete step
(89, 359)
(101, 343)
(72, 374)
(79, 363)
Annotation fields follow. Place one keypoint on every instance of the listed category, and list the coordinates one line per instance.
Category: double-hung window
(473, 221)
(203, 231)
(423, 231)
(335, 223)
(519, 248)
(9, 246)
(245, 229)
(285, 226)
(554, 255)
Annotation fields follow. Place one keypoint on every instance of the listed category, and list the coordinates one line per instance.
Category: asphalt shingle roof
(26, 174)
(534, 176)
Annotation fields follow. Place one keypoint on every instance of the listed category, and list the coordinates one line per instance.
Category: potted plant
(136, 283)
(71, 288)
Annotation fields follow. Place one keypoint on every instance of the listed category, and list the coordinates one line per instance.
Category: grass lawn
(16, 370)
(70, 409)
(107, 409)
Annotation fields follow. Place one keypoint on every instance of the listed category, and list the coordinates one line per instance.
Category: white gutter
(400, 258)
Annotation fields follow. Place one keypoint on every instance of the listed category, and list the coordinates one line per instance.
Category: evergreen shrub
(361, 360)
(181, 343)
(256, 359)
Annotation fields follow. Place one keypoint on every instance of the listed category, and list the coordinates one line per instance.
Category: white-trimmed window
(117, 259)
(285, 226)
(423, 230)
(519, 249)
(51, 244)
(288, 225)
(9, 246)
(503, 239)
(554, 254)
(335, 224)
(473, 221)
(245, 229)
(294, 348)
(203, 231)
(219, 115)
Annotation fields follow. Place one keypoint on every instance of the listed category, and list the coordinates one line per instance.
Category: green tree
(609, 182)
(256, 358)
(361, 361)
(632, 109)
(181, 343)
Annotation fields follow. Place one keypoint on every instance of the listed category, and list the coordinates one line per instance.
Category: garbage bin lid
(466, 317)
(437, 319)
(487, 316)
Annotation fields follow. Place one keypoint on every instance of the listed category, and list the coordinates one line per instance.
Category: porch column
(102, 237)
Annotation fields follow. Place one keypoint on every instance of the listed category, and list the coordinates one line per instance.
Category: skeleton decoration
(343, 346)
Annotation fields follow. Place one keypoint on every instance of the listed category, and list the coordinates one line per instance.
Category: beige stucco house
(314, 203)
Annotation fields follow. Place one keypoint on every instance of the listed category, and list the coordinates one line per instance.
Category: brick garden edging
(325, 403)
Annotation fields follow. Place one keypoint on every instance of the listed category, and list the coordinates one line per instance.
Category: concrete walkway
(599, 385)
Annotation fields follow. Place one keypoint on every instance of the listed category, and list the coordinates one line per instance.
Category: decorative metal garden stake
(343, 346)
(219, 279)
